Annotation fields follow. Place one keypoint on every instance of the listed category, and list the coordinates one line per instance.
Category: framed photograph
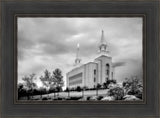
(58, 65)
(80, 59)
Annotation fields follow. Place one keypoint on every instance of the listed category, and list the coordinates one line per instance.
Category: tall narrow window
(107, 72)
(94, 72)
(107, 69)
(94, 79)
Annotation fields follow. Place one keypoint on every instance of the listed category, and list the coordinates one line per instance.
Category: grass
(73, 95)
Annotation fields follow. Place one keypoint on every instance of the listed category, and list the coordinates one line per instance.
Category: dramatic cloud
(49, 43)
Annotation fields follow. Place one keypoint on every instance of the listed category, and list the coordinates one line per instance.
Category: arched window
(107, 70)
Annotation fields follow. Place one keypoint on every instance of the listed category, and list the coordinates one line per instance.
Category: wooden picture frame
(148, 10)
(143, 101)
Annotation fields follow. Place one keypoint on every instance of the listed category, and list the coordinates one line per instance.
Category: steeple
(77, 60)
(103, 48)
(102, 38)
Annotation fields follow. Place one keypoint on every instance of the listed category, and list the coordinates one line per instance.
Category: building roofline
(103, 56)
(90, 62)
(81, 66)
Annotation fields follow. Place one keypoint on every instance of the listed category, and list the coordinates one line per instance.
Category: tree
(58, 78)
(97, 87)
(42, 90)
(83, 89)
(78, 89)
(133, 86)
(53, 90)
(29, 83)
(47, 80)
(68, 90)
(117, 92)
(21, 91)
(58, 89)
(105, 85)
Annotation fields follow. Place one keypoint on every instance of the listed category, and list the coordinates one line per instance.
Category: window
(107, 69)
(107, 66)
(94, 72)
(107, 72)
(94, 79)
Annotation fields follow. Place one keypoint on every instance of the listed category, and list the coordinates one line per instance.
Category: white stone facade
(92, 73)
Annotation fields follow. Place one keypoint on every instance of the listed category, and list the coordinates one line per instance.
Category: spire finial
(77, 51)
(77, 45)
(102, 37)
(77, 60)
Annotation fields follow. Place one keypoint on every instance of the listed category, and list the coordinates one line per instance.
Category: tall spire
(77, 54)
(77, 60)
(103, 48)
(102, 38)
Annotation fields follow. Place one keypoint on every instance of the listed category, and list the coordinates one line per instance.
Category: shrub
(91, 88)
(112, 81)
(99, 86)
(106, 84)
(59, 89)
(74, 98)
(79, 89)
(88, 98)
(52, 90)
(99, 97)
(134, 87)
(36, 92)
(67, 90)
(108, 98)
(130, 98)
(59, 98)
(116, 92)
(45, 98)
(42, 90)
(85, 88)
(21, 91)
(94, 98)
(72, 89)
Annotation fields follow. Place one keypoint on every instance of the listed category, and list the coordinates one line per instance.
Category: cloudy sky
(49, 43)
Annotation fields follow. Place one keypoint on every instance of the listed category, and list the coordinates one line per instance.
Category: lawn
(88, 93)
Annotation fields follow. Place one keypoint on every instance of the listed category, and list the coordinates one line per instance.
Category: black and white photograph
(80, 59)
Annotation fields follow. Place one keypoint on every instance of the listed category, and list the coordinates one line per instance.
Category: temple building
(92, 73)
